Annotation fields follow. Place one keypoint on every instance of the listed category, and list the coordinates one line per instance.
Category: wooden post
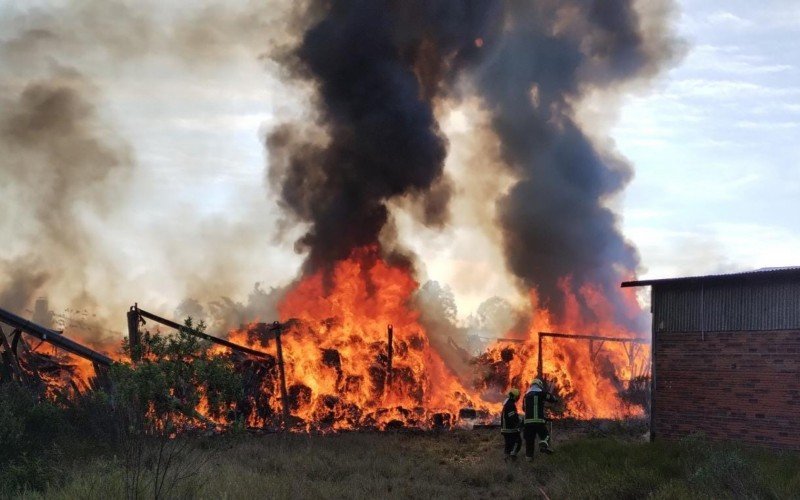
(282, 373)
(390, 350)
(133, 333)
(540, 367)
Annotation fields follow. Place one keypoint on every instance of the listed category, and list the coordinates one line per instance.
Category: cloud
(729, 19)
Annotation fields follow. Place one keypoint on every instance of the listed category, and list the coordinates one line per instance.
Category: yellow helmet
(537, 381)
(513, 393)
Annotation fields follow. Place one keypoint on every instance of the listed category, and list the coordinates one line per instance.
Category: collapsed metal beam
(53, 337)
(591, 338)
(136, 313)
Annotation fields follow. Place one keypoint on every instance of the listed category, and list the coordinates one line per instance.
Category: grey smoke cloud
(60, 168)
(72, 189)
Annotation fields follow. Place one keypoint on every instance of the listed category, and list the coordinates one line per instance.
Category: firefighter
(535, 423)
(510, 425)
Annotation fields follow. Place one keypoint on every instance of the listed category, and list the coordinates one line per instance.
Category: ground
(610, 461)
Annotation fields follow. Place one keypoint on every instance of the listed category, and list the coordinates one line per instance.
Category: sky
(714, 143)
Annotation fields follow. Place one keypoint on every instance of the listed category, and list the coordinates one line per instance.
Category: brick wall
(732, 385)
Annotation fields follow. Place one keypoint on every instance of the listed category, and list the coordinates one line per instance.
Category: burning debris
(66, 372)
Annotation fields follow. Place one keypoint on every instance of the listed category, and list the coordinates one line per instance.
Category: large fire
(337, 354)
(596, 379)
(340, 372)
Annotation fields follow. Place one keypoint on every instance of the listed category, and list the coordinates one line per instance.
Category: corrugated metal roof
(765, 273)
(720, 306)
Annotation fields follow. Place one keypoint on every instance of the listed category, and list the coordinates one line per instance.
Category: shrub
(30, 433)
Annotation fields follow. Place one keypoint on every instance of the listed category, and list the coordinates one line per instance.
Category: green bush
(173, 374)
(32, 432)
(145, 405)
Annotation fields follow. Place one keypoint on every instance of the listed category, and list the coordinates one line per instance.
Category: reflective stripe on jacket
(533, 405)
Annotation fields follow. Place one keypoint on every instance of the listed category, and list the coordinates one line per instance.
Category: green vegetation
(458, 464)
(120, 443)
(176, 371)
(128, 423)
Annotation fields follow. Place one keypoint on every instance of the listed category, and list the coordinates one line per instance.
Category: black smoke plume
(380, 66)
(559, 233)
(377, 65)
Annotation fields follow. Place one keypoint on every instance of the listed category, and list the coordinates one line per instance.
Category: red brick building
(726, 357)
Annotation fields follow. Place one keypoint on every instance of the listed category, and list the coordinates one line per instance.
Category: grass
(458, 464)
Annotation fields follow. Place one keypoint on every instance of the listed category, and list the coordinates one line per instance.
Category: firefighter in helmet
(535, 423)
(510, 425)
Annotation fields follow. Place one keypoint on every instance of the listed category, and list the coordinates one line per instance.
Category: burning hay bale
(344, 367)
(600, 377)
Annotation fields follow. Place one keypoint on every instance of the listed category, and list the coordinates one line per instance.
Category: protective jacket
(509, 420)
(533, 404)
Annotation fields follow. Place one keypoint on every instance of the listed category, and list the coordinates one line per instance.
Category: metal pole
(390, 350)
(282, 373)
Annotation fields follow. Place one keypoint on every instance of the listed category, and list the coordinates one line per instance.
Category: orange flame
(336, 356)
(592, 375)
(336, 351)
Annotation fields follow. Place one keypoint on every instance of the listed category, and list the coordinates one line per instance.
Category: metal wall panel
(746, 305)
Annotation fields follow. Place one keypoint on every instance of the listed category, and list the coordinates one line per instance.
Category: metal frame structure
(630, 343)
(134, 320)
(20, 325)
